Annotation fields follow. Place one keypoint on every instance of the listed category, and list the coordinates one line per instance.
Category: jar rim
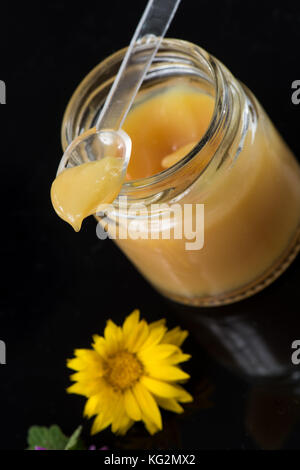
(218, 82)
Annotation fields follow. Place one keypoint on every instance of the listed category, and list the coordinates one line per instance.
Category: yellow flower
(129, 373)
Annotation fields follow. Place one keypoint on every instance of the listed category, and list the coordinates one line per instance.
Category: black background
(59, 287)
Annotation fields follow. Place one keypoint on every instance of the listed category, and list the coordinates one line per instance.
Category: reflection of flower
(131, 371)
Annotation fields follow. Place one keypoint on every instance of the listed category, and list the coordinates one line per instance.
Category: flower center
(123, 370)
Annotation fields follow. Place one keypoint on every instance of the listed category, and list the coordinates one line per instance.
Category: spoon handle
(137, 60)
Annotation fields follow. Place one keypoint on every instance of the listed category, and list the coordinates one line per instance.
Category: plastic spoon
(108, 138)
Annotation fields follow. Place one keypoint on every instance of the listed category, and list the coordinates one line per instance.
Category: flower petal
(102, 421)
(113, 337)
(148, 405)
(131, 322)
(121, 422)
(183, 396)
(100, 346)
(170, 404)
(177, 358)
(76, 363)
(175, 336)
(86, 375)
(157, 323)
(125, 424)
(118, 414)
(158, 352)
(154, 338)
(86, 388)
(87, 355)
(160, 388)
(106, 416)
(137, 338)
(84, 358)
(131, 406)
(165, 372)
(93, 405)
(150, 426)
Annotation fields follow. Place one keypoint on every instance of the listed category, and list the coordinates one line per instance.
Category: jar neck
(219, 146)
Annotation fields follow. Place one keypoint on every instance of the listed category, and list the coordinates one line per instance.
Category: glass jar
(241, 171)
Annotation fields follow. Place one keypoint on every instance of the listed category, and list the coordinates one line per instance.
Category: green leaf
(74, 443)
(51, 438)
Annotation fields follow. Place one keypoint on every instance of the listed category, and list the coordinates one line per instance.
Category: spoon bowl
(95, 145)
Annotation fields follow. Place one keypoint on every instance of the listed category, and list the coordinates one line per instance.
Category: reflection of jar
(249, 185)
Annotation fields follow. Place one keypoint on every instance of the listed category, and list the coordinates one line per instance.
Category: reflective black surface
(59, 287)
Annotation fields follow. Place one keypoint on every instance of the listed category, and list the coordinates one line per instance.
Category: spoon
(107, 138)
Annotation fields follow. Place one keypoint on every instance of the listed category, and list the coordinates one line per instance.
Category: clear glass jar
(249, 185)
